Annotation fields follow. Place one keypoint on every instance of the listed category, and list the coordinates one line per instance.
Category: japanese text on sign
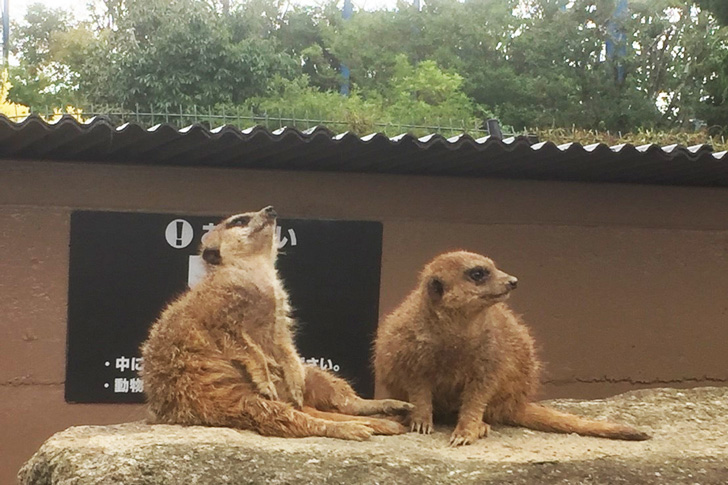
(124, 385)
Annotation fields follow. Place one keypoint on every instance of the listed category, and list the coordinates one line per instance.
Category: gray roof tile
(319, 149)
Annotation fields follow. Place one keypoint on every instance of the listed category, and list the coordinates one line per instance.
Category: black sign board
(125, 267)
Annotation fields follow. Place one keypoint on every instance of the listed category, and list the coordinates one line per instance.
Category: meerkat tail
(541, 418)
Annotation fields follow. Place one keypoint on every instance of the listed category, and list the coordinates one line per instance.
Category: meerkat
(223, 353)
(454, 346)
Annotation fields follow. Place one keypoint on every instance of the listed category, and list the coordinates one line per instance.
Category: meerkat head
(241, 236)
(466, 281)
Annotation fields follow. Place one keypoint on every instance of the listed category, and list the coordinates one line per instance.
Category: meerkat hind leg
(379, 425)
(294, 423)
(217, 396)
(275, 418)
(326, 392)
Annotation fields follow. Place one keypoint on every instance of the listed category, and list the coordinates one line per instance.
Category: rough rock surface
(689, 445)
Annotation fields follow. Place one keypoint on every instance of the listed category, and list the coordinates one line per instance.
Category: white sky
(18, 7)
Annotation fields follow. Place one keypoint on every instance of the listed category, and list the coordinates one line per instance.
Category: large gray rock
(690, 445)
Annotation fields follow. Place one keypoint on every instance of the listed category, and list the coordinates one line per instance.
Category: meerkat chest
(452, 351)
(465, 345)
(283, 307)
(243, 299)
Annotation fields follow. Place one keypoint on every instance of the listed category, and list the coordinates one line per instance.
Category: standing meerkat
(223, 354)
(454, 346)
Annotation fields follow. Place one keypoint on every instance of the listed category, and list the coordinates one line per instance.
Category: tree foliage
(719, 8)
(179, 52)
(41, 77)
(530, 63)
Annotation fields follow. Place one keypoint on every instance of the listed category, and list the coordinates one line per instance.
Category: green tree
(714, 69)
(678, 59)
(306, 33)
(531, 63)
(368, 44)
(419, 95)
(180, 52)
(298, 100)
(424, 94)
(41, 78)
(151, 52)
(719, 8)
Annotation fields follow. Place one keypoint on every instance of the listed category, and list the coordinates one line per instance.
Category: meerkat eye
(477, 274)
(241, 221)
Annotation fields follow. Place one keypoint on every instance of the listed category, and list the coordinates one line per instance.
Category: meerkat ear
(435, 289)
(212, 256)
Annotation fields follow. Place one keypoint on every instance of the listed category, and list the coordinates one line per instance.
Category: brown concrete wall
(624, 286)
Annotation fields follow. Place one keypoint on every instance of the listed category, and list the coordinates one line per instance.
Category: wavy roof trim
(97, 140)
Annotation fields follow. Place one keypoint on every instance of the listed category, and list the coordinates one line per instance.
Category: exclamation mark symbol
(179, 233)
(180, 225)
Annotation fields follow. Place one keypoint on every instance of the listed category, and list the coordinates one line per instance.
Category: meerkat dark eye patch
(212, 256)
(478, 274)
(240, 221)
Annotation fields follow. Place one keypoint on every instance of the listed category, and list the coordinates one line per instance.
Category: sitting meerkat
(455, 347)
(222, 354)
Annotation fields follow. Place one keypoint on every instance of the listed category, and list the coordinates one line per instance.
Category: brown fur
(454, 346)
(223, 353)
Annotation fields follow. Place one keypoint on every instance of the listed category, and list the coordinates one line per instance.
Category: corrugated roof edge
(320, 149)
(452, 143)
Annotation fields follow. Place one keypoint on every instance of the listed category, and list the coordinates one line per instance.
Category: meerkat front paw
(291, 395)
(291, 389)
(484, 429)
(392, 406)
(384, 426)
(468, 434)
(421, 424)
(297, 398)
(275, 370)
(349, 431)
(268, 391)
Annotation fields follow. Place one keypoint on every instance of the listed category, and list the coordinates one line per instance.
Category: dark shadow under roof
(319, 149)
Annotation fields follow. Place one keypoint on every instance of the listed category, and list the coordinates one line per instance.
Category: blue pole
(617, 38)
(6, 31)
(346, 15)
